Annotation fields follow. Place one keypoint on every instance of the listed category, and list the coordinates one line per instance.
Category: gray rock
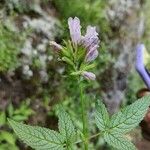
(125, 17)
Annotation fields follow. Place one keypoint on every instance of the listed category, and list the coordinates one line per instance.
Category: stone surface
(127, 25)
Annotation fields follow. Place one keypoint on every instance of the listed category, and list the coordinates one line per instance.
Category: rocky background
(127, 24)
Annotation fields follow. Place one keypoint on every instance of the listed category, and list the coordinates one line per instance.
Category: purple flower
(91, 38)
(90, 41)
(140, 64)
(89, 75)
(56, 46)
(75, 30)
(92, 54)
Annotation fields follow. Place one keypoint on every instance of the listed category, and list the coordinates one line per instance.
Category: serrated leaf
(129, 117)
(101, 116)
(66, 126)
(118, 142)
(37, 137)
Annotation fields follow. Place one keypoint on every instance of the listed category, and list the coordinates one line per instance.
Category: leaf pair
(45, 139)
(120, 123)
(113, 128)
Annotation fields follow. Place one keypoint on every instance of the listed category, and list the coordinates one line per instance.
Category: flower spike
(81, 51)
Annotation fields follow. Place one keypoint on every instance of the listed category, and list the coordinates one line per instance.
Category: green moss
(10, 44)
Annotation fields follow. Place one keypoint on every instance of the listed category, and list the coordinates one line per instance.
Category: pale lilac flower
(56, 46)
(140, 65)
(75, 30)
(90, 41)
(91, 38)
(89, 75)
(92, 54)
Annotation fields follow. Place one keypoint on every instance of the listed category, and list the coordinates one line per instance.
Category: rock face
(38, 20)
(127, 25)
(45, 28)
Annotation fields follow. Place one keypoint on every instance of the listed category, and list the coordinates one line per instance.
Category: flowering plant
(79, 54)
(81, 51)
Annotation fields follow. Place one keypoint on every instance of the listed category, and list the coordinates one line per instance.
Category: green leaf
(10, 110)
(2, 118)
(37, 137)
(8, 137)
(66, 126)
(118, 142)
(101, 116)
(19, 118)
(130, 116)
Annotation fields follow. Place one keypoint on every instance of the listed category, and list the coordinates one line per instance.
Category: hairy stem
(84, 117)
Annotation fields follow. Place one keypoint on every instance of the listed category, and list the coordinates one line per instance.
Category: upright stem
(84, 117)
(91, 137)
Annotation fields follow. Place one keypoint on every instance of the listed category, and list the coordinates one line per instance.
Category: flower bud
(56, 46)
(89, 75)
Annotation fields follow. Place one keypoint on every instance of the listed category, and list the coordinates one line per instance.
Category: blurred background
(31, 78)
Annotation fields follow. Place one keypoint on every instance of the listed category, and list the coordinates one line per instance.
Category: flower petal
(143, 72)
(91, 38)
(92, 54)
(75, 30)
(89, 75)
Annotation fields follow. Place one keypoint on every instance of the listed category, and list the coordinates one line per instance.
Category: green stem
(84, 117)
(93, 136)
